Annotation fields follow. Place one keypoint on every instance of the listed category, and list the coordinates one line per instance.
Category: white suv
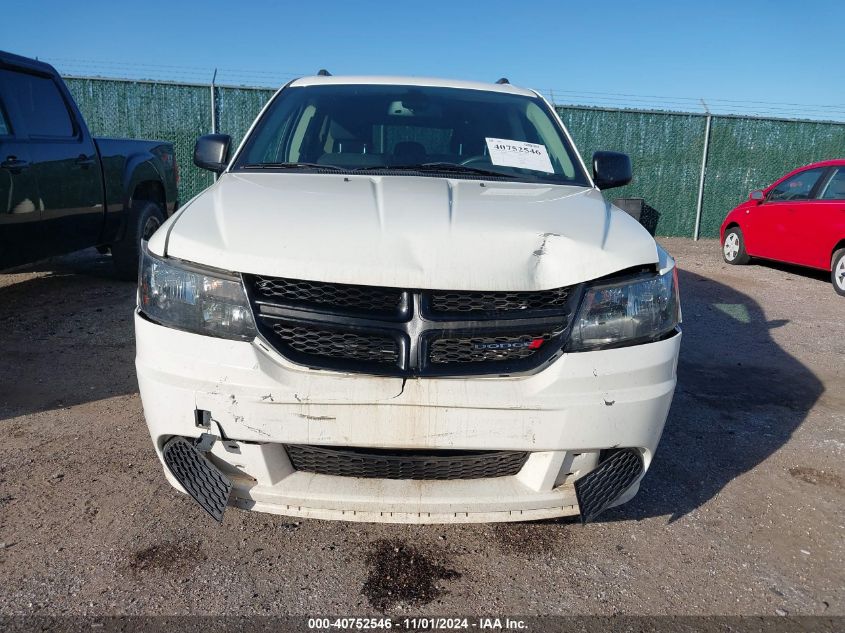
(406, 300)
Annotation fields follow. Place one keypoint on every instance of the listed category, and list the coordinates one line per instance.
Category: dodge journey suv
(406, 300)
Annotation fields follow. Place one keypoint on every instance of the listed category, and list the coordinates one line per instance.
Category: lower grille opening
(373, 463)
(199, 477)
(616, 473)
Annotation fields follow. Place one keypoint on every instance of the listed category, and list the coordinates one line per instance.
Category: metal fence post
(700, 203)
(213, 103)
(214, 109)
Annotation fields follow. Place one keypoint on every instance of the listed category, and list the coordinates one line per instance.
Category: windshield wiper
(292, 166)
(422, 167)
(437, 167)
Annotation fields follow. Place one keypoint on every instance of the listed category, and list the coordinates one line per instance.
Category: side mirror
(211, 152)
(757, 195)
(611, 169)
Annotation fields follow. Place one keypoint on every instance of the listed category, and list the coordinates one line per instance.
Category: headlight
(189, 298)
(637, 310)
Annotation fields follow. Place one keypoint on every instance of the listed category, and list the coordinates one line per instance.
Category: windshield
(416, 129)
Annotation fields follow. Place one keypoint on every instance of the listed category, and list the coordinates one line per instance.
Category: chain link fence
(667, 148)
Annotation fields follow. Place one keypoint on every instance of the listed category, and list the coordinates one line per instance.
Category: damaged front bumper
(571, 420)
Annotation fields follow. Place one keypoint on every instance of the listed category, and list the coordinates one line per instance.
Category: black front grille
(404, 464)
(484, 303)
(314, 341)
(368, 299)
(480, 349)
(406, 332)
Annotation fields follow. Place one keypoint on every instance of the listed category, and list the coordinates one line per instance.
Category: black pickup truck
(62, 190)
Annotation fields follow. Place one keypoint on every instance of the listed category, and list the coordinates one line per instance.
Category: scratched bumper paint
(564, 415)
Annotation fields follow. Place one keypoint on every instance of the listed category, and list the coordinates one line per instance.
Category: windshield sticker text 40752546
(519, 154)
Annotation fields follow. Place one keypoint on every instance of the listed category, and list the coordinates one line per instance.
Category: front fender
(732, 218)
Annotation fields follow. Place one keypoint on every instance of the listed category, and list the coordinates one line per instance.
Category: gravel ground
(742, 512)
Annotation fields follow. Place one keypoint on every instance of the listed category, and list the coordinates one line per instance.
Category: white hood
(405, 231)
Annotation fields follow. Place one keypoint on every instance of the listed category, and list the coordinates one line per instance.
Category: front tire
(837, 271)
(142, 225)
(733, 247)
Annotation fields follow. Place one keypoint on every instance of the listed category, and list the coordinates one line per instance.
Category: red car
(800, 219)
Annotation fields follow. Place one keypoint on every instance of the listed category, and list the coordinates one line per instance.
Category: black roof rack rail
(323, 73)
(503, 80)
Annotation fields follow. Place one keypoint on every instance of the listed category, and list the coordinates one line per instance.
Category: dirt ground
(743, 511)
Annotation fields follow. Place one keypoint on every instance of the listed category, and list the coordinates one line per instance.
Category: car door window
(835, 187)
(41, 105)
(798, 187)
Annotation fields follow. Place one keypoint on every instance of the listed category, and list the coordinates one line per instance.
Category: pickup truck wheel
(837, 271)
(127, 252)
(733, 247)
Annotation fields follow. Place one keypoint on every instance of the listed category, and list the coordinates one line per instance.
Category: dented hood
(413, 232)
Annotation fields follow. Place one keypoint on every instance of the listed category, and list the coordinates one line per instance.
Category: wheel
(837, 271)
(733, 248)
(145, 219)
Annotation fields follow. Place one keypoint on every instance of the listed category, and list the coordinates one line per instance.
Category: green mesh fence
(237, 109)
(666, 148)
(747, 154)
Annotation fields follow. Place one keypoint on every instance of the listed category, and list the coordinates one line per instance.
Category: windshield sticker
(519, 154)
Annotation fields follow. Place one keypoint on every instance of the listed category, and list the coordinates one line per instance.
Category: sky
(776, 58)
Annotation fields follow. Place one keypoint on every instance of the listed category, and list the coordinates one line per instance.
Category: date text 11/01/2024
(417, 624)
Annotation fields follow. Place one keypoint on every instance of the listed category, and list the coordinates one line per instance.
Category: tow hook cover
(198, 476)
(612, 478)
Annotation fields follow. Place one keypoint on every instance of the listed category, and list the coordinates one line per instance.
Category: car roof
(833, 162)
(411, 81)
(17, 61)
